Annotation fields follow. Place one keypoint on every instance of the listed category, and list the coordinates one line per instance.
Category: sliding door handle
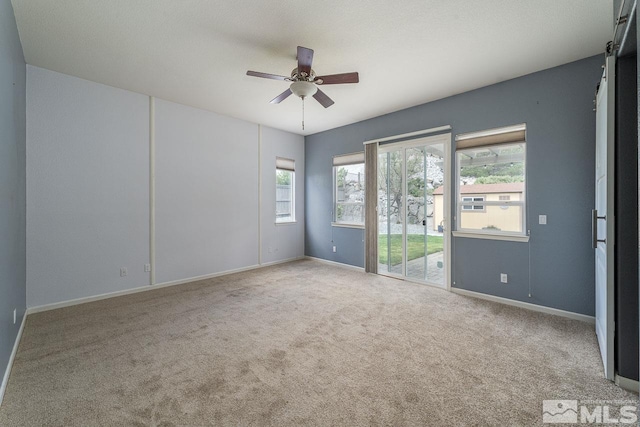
(594, 228)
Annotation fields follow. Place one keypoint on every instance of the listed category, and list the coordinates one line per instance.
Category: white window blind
(285, 164)
(348, 159)
(504, 135)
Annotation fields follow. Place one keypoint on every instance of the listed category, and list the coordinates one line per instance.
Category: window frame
(522, 236)
(289, 219)
(334, 216)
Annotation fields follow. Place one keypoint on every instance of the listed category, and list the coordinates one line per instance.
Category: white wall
(88, 181)
(87, 188)
(285, 240)
(206, 192)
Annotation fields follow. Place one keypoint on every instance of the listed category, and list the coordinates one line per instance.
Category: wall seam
(259, 194)
(152, 190)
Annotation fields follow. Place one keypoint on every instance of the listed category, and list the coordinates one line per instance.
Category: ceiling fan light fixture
(303, 89)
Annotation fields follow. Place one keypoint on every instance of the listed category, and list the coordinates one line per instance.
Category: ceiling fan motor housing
(301, 76)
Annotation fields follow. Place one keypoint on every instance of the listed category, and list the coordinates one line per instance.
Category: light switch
(542, 219)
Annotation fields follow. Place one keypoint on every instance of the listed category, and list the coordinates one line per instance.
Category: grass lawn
(415, 247)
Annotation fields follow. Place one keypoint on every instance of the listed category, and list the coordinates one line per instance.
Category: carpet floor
(302, 343)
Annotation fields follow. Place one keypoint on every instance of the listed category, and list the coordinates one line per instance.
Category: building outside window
(491, 177)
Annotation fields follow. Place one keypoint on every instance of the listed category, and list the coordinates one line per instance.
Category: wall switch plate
(542, 219)
(334, 249)
(15, 314)
(147, 268)
(503, 278)
(123, 272)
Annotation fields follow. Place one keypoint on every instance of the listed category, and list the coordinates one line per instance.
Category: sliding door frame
(445, 140)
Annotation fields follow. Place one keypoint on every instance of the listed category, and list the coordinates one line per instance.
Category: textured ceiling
(196, 52)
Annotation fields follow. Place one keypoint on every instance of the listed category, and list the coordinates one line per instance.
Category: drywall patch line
(7, 372)
(152, 189)
(526, 305)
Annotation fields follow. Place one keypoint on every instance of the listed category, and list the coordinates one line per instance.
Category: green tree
(390, 178)
(283, 177)
(341, 177)
(499, 179)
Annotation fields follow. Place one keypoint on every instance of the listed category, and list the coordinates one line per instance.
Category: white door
(603, 216)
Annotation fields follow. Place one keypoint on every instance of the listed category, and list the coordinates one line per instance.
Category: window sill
(285, 222)
(506, 237)
(347, 225)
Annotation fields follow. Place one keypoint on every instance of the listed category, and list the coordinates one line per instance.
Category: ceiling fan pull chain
(303, 113)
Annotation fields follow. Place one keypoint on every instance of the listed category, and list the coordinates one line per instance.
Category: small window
(285, 190)
(348, 190)
(474, 206)
(491, 181)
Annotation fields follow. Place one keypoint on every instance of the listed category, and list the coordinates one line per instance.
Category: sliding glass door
(413, 209)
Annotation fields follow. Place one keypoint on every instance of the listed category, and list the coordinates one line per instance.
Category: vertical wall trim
(259, 194)
(152, 189)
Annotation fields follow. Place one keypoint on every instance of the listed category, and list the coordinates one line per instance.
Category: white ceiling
(408, 52)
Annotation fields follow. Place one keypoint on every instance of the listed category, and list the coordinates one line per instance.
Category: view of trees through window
(390, 185)
(284, 195)
(349, 194)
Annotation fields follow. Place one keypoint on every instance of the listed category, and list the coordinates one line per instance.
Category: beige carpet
(298, 344)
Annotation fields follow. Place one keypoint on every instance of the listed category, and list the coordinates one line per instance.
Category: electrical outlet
(123, 272)
(542, 219)
(15, 314)
(334, 249)
(147, 268)
(503, 278)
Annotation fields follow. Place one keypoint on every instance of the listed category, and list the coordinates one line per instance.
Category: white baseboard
(526, 305)
(338, 264)
(76, 301)
(283, 261)
(628, 384)
(7, 372)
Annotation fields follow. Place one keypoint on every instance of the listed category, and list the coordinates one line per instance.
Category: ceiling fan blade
(278, 99)
(267, 75)
(323, 99)
(305, 58)
(335, 79)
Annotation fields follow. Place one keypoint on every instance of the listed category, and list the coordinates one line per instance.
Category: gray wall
(88, 171)
(557, 106)
(12, 182)
(87, 188)
(206, 192)
(284, 240)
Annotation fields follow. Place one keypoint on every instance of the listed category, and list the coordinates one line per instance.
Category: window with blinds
(285, 190)
(348, 190)
(491, 178)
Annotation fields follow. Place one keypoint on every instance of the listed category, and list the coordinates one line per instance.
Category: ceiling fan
(305, 82)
